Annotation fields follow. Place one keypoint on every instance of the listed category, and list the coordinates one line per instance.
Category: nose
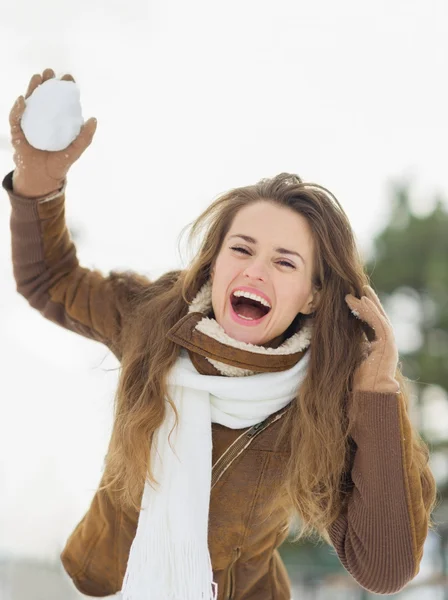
(255, 270)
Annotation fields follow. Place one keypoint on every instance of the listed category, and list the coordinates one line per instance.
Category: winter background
(193, 98)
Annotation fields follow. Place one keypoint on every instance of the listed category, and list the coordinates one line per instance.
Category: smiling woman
(288, 286)
(259, 385)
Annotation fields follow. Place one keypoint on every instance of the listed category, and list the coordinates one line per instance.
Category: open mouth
(248, 309)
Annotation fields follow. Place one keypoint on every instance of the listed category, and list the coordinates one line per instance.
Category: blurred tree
(411, 257)
(410, 260)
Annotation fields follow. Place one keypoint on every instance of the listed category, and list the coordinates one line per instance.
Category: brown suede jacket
(379, 537)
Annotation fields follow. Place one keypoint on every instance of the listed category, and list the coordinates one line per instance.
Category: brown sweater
(379, 537)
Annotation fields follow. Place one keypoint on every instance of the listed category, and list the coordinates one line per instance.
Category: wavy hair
(317, 429)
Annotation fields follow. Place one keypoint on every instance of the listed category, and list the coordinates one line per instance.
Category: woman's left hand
(377, 372)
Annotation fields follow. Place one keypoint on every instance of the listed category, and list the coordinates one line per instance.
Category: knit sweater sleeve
(379, 537)
(48, 274)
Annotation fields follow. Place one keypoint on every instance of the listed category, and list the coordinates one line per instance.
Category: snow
(53, 115)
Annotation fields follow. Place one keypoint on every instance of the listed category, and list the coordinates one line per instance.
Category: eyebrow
(252, 240)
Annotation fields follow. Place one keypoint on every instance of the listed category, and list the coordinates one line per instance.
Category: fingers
(18, 139)
(48, 74)
(366, 310)
(37, 80)
(83, 140)
(15, 117)
(67, 77)
(359, 309)
(370, 293)
(353, 304)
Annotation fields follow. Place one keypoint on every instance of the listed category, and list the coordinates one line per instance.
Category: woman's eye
(287, 264)
(280, 262)
(237, 249)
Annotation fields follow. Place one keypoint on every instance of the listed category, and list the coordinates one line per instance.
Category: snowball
(53, 115)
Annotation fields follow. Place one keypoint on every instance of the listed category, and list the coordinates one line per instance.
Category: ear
(313, 302)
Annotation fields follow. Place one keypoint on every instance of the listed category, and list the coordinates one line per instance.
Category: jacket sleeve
(379, 537)
(49, 277)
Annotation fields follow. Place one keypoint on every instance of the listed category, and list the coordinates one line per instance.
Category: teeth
(259, 299)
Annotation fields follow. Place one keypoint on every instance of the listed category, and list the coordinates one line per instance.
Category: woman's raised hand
(377, 372)
(40, 172)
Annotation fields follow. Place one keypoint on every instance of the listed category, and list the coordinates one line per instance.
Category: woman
(258, 386)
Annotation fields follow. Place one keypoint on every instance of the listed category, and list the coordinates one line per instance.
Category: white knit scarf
(169, 558)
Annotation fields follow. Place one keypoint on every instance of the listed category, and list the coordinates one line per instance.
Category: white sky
(193, 98)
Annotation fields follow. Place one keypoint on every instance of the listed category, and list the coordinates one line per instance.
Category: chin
(241, 335)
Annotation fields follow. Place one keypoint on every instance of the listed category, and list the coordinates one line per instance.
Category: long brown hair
(317, 480)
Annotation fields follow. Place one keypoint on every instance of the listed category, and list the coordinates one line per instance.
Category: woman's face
(269, 252)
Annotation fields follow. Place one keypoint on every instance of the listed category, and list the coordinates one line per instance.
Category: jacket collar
(213, 352)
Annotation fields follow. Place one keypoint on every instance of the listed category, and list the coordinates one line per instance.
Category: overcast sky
(193, 98)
